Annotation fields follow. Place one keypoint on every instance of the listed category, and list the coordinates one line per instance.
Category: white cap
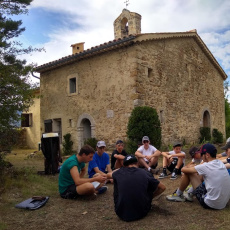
(228, 140)
(100, 144)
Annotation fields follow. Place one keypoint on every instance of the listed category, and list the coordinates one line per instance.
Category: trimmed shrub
(217, 136)
(92, 142)
(205, 134)
(143, 121)
(67, 144)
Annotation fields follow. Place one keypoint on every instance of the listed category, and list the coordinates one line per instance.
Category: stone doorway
(85, 129)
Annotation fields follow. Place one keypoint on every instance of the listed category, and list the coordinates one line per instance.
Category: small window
(72, 85)
(26, 120)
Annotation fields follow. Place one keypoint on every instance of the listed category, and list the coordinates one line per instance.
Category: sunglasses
(145, 141)
(102, 147)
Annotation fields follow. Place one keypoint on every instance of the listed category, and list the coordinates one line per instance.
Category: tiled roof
(87, 53)
(127, 41)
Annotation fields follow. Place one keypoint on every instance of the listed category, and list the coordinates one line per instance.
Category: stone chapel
(91, 93)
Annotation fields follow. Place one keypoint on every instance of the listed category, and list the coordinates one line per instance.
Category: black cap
(119, 142)
(193, 151)
(208, 148)
(176, 144)
(227, 146)
(129, 159)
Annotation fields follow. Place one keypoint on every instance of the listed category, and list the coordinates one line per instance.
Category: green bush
(92, 142)
(205, 134)
(143, 121)
(217, 136)
(67, 144)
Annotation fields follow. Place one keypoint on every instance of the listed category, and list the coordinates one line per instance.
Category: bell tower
(127, 23)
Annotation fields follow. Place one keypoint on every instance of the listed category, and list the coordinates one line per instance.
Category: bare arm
(187, 169)
(119, 156)
(78, 180)
(139, 154)
(82, 173)
(227, 166)
(108, 167)
(97, 170)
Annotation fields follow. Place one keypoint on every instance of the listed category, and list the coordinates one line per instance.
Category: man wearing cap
(226, 160)
(215, 192)
(134, 189)
(100, 163)
(147, 155)
(118, 155)
(224, 154)
(173, 161)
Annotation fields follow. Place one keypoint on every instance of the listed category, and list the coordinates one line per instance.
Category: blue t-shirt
(98, 161)
(65, 179)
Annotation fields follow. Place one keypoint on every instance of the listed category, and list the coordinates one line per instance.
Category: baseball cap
(119, 142)
(145, 138)
(193, 151)
(208, 148)
(228, 140)
(129, 159)
(177, 144)
(227, 146)
(100, 144)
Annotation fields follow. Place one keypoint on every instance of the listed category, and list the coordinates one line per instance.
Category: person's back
(133, 192)
(217, 183)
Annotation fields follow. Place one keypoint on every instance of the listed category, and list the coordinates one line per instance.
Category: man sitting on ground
(147, 155)
(215, 192)
(118, 155)
(173, 161)
(134, 189)
(100, 163)
(72, 183)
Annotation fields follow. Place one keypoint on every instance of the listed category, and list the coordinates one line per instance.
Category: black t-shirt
(113, 159)
(133, 192)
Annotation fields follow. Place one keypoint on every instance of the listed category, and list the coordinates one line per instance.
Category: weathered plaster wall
(33, 134)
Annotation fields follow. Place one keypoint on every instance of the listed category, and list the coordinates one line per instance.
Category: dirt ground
(99, 213)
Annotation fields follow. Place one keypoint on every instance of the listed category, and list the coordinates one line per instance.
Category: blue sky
(56, 24)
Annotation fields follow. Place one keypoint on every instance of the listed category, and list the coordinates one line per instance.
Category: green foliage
(67, 144)
(8, 139)
(15, 91)
(143, 121)
(92, 142)
(217, 136)
(205, 134)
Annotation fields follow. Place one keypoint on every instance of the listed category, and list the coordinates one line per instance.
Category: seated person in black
(118, 155)
(134, 189)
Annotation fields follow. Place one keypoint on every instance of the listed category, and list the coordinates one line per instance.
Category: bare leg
(118, 164)
(85, 189)
(159, 189)
(153, 161)
(142, 162)
(179, 162)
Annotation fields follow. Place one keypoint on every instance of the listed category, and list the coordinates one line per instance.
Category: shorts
(173, 165)
(200, 193)
(70, 192)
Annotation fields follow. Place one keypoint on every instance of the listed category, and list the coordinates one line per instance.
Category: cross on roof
(126, 3)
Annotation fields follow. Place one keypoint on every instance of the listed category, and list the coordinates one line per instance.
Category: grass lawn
(23, 182)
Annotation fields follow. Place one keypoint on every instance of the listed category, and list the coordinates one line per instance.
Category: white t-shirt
(147, 152)
(173, 152)
(217, 183)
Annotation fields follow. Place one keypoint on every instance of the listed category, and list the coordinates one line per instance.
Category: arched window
(206, 119)
(124, 27)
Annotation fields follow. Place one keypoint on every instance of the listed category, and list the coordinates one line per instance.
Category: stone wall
(177, 78)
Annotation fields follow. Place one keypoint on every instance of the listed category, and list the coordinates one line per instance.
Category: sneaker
(101, 190)
(175, 197)
(163, 175)
(173, 176)
(188, 196)
(154, 171)
(189, 186)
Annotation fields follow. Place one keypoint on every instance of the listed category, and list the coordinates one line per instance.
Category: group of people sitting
(206, 177)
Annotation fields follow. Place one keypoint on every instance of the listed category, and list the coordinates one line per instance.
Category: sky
(56, 24)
